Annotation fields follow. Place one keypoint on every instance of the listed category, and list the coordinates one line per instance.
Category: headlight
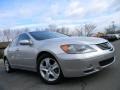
(77, 48)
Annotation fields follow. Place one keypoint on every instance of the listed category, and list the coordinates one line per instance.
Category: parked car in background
(110, 37)
(54, 55)
(117, 36)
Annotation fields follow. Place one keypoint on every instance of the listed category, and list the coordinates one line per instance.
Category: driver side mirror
(25, 42)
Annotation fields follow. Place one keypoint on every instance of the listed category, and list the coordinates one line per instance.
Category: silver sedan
(54, 55)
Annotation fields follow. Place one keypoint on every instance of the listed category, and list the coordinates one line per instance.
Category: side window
(23, 36)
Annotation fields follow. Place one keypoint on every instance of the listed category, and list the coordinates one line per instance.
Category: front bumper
(76, 65)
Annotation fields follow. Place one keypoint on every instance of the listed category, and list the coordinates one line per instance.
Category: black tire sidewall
(8, 66)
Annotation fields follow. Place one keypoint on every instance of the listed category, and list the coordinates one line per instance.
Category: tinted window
(42, 35)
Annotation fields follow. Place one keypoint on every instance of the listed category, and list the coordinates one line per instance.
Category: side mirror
(25, 42)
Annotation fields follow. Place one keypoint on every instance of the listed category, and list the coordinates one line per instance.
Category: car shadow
(68, 81)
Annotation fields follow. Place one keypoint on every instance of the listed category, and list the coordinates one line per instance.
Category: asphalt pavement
(107, 79)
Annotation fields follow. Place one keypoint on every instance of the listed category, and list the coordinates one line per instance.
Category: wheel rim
(49, 69)
(6, 66)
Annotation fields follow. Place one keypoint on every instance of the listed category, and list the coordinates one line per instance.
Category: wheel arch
(46, 52)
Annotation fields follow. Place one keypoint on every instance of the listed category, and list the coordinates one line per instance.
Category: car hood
(76, 40)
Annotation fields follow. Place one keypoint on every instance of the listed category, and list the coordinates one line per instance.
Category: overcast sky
(30, 13)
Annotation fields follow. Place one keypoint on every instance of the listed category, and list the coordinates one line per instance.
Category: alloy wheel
(49, 69)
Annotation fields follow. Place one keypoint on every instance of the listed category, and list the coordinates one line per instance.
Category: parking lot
(107, 79)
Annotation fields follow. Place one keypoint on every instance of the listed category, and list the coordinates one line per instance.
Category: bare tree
(37, 29)
(7, 34)
(111, 29)
(52, 27)
(63, 30)
(1, 36)
(88, 28)
(79, 31)
(26, 30)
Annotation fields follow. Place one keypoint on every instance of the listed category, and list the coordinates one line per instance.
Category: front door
(25, 54)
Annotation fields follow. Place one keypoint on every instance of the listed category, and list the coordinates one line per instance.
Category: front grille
(105, 62)
(104, 46)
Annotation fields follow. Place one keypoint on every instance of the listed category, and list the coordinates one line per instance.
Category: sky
(33, 13)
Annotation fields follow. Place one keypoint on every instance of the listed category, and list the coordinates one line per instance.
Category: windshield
(42, 35)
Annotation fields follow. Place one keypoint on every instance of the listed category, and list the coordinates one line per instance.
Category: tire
(7, 66)
(49, 69)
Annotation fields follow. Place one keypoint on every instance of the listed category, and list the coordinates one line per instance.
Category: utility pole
(113, 26)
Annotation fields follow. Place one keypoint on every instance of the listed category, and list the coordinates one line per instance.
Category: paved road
(107, 79)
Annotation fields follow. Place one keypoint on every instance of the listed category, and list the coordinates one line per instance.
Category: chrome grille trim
(104, 46)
